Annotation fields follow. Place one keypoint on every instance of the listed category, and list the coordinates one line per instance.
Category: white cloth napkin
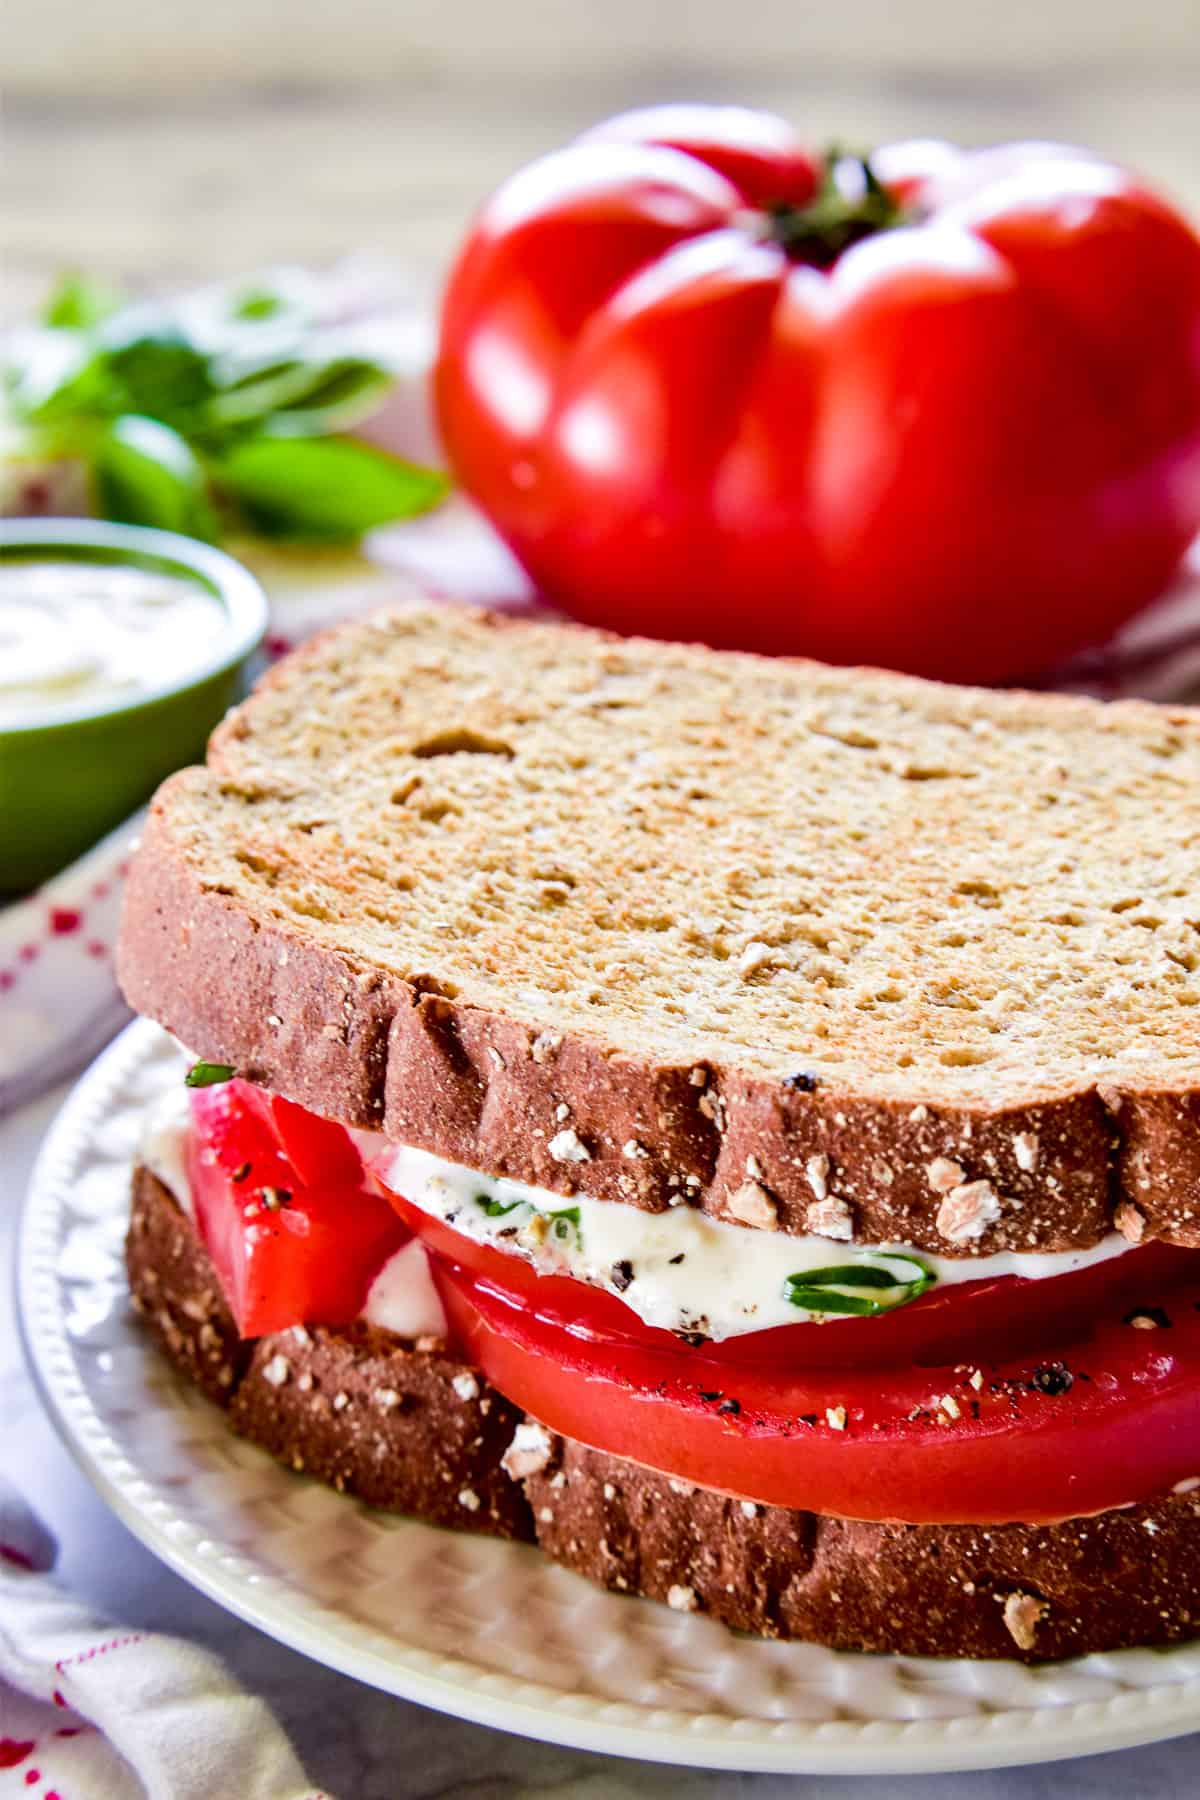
(89, 1711)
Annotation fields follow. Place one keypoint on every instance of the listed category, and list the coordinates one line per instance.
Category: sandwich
(731, 1123)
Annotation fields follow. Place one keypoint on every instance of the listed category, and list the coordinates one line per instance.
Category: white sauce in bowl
(76, 634)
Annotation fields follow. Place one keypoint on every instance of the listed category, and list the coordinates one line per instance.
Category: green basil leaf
(496, 1209)
(340, 394)
(827, 1300)
(161, 375)
(146, 474)
(62, 382)
(297, 398)
(330, 489)
(256, 304)
(79, 302)
(206, 1074)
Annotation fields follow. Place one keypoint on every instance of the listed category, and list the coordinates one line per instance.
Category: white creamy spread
(164, 1143)
(402, 1297)
(682, 1270)
(679, 1270)
(79, 633)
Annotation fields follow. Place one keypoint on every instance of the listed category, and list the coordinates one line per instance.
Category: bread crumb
(568, 1147)
(756, 956)
(634, 1151)
(610, 1492)
(1130, 1223)
(544, 1046)
(835, 1417)
(562, 1112)
(466, 1386)
(468, 1498)
(1025, 1149)
(1023, 1613)
(681, 1598)
(943, 1174)
(529, 1452)
(277, 1370)
(387, 1399)
(817, 1171)
(713, 1107)
(340, 1402)
(751, 1204)
(830, 1218)
(918, 1115)
(967, 1211)
(749, 1509)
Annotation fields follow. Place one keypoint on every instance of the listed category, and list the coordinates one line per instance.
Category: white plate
(489, 1631)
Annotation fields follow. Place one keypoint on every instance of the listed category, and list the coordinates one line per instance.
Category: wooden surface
(167, 143)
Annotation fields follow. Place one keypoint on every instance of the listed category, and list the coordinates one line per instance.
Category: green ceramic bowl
(70, 773)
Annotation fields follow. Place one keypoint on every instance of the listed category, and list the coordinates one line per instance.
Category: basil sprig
(217, 414)
(860, 1288)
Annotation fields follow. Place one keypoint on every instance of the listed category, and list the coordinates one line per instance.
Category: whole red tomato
(939, 410)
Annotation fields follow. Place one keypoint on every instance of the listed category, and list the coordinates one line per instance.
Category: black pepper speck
(1053, 1378)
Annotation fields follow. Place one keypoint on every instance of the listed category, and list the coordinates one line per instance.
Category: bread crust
(359, 1044)
(1032, 1592)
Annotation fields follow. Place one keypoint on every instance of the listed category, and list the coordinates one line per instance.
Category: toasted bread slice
(663, 924)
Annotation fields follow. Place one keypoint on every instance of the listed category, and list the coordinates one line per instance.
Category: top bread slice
(815, 949)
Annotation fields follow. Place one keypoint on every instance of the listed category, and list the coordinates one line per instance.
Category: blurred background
(177, 141)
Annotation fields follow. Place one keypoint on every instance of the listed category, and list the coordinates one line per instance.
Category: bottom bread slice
(407, 1427)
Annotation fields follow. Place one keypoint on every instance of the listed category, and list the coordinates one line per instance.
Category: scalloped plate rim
(1002, 1738)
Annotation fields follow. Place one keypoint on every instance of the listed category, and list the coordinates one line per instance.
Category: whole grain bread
(815, 949)
(407, 1427)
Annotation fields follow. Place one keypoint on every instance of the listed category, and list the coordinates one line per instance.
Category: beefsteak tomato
(938, 409)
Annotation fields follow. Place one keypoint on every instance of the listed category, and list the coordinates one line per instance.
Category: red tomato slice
(319, 1150)
(996, 1317)
(287, 1251)
(1114, 1418)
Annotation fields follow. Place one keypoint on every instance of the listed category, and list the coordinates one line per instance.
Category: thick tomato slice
(294, 1230)
(319, 1150)
(997, 1317)
(1114, 1418)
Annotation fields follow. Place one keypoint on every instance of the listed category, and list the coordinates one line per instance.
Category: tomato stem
(850, 204)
